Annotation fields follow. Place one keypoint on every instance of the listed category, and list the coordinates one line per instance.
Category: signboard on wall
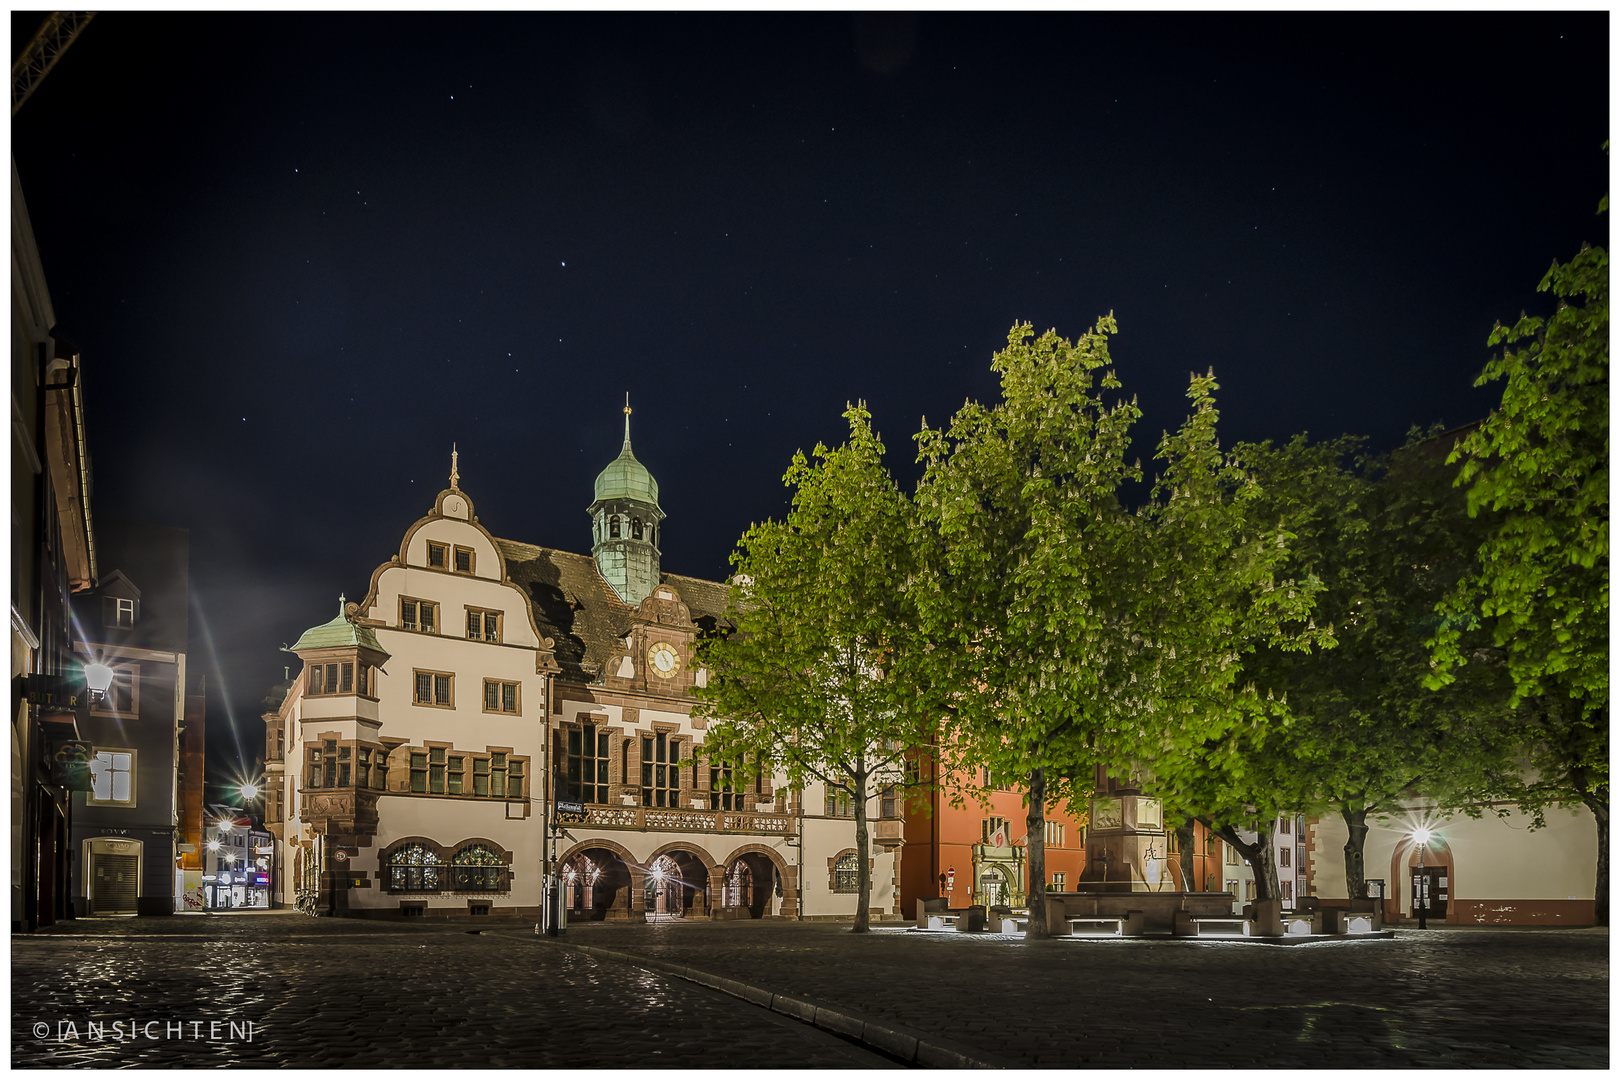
(570, 812)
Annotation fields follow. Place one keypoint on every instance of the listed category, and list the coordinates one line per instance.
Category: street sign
(340, 855)
(573, 812)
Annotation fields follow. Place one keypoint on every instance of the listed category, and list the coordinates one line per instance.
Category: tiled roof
(338, 633)
(575, 607)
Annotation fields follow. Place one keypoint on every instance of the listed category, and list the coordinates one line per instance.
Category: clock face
(664, 660)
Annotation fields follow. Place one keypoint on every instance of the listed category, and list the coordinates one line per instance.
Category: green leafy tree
(1210, 582)
(1388, 538)
(1540, 462)
(818, 677)
(1020, 497)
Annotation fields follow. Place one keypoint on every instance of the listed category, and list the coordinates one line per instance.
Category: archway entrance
(750, 882)
(674, 884)
(1428, 885)
(595, 881)
(994, 889)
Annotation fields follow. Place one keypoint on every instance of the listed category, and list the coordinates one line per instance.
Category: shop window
(420, 615)
(483, 625)
(475, 868)
(112, 779)
(414, 868)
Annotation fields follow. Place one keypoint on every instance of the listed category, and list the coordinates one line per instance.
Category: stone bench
(1127, 925)
(1233, 926)
(932, 914)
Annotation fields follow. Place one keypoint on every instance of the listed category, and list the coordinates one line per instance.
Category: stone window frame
(600, 724)
(833, 871)
(434, 676)
(517, 697)
(679, 792)
(469, 770)
(416, 626)
(446, 854)
(456, 552)
(483, 624)
(442, 550)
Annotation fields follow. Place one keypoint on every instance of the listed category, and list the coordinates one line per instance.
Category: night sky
(302, 254)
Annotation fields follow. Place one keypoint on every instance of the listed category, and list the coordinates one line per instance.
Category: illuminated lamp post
(1421, 834)
(98, 679)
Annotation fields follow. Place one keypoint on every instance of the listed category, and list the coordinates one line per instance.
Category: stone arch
(615, 895)
(503, 880)
(698, 873)
(1403, 861)
(754, 857)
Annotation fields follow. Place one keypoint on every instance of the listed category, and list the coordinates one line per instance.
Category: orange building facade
(966, 841)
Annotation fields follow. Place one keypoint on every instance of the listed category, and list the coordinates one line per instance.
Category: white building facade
(495, 715)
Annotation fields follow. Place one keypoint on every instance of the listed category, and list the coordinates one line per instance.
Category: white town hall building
(412, 761)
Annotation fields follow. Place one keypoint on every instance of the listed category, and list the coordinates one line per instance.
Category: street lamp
(98, 678)
(1422, 834)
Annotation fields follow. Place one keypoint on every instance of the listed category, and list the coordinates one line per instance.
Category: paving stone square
(695, 994)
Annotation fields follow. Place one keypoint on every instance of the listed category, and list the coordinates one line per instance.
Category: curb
(905, 1044)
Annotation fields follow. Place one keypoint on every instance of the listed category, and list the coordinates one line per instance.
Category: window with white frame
(112, 779)
(117, 612)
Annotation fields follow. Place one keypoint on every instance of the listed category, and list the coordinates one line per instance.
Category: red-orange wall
(940, 836)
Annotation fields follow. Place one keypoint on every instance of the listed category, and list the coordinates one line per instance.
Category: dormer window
(438, 555)
(117, 612)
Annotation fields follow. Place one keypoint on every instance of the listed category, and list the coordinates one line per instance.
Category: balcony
(677, 820)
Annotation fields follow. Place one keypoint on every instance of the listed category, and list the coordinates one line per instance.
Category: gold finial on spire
(627, 418)
(454, 475)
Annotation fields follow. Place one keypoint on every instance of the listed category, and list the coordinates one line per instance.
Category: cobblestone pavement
(330, 992)
(1440, 998)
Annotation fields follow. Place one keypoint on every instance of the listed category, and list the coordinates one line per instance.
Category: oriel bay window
(660, 770)
(587, 764)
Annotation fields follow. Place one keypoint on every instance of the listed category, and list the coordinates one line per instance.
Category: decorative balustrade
(640, 817)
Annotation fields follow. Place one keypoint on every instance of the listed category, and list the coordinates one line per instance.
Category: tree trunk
(1258, 856)
(863, 844)
(1035, 844)
(1355, 851)
(1184, 839)
(1600, 813)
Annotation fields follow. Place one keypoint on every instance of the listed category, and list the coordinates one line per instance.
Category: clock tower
(626, 524)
